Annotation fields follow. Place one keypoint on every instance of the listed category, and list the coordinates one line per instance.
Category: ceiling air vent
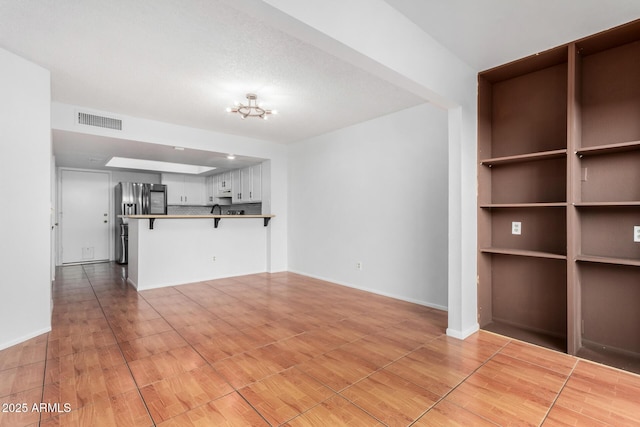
(99, 121)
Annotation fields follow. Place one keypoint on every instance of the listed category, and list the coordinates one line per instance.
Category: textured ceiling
(184, 62)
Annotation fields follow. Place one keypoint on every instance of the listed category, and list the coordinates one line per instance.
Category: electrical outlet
(213, 258)
(359, 265)
(516, 228)
(87, 253)
(636, 233)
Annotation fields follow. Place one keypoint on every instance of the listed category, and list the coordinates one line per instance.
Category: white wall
(388, 45)
(374, 193)
(25, 191)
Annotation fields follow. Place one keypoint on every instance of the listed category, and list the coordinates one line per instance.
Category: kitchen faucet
(218, 206)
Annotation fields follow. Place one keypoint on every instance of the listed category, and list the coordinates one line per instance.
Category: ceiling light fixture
(252, 109)
(231, 157)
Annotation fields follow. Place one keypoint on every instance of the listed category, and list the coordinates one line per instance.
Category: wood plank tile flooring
(284, 349)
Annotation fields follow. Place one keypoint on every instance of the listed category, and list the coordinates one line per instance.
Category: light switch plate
(516, 228)
(636, 233)
(583, 175)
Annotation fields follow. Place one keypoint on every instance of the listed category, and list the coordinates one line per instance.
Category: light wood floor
(286, 349)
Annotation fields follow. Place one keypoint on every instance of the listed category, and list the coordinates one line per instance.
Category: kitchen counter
(179, 250)
(194, 216)
(216, 218)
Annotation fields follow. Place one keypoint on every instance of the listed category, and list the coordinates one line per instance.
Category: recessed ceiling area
(157, 166)
(76, 150)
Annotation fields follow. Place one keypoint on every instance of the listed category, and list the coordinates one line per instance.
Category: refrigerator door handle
(146, 195)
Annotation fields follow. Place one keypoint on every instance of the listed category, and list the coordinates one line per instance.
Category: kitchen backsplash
(249, 209)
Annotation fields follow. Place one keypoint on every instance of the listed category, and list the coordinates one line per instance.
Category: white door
(84, 216)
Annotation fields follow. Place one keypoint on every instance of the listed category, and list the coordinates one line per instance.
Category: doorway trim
(59, 230)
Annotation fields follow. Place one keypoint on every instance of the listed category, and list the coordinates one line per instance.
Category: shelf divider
(523, 205)
(608, 260)
(522, 252)
(609, 148)
(530, 157)
(629, 204)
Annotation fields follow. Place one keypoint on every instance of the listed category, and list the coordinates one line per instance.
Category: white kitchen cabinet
(184, 189)
(194, 190)
(223, 184)
(256, 183)
(236, 187)
(213, 195)
(174, 184)
(247, 184)
(210, 189)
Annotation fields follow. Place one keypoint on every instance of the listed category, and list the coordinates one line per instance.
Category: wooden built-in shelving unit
(559, 153)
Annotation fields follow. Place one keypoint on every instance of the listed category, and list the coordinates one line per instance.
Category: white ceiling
(488, 33)
(185, 62)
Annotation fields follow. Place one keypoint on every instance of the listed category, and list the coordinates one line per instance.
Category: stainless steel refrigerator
(135, 198)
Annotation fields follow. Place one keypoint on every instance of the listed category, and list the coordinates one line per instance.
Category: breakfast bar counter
(168, 250)
(215, 218)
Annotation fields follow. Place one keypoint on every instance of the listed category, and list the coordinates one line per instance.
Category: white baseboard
(191, 280)
(24, 338)
(373, 291)
(463, 334)
(132, 283)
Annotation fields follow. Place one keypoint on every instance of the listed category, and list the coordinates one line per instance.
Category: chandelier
(252, 109)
